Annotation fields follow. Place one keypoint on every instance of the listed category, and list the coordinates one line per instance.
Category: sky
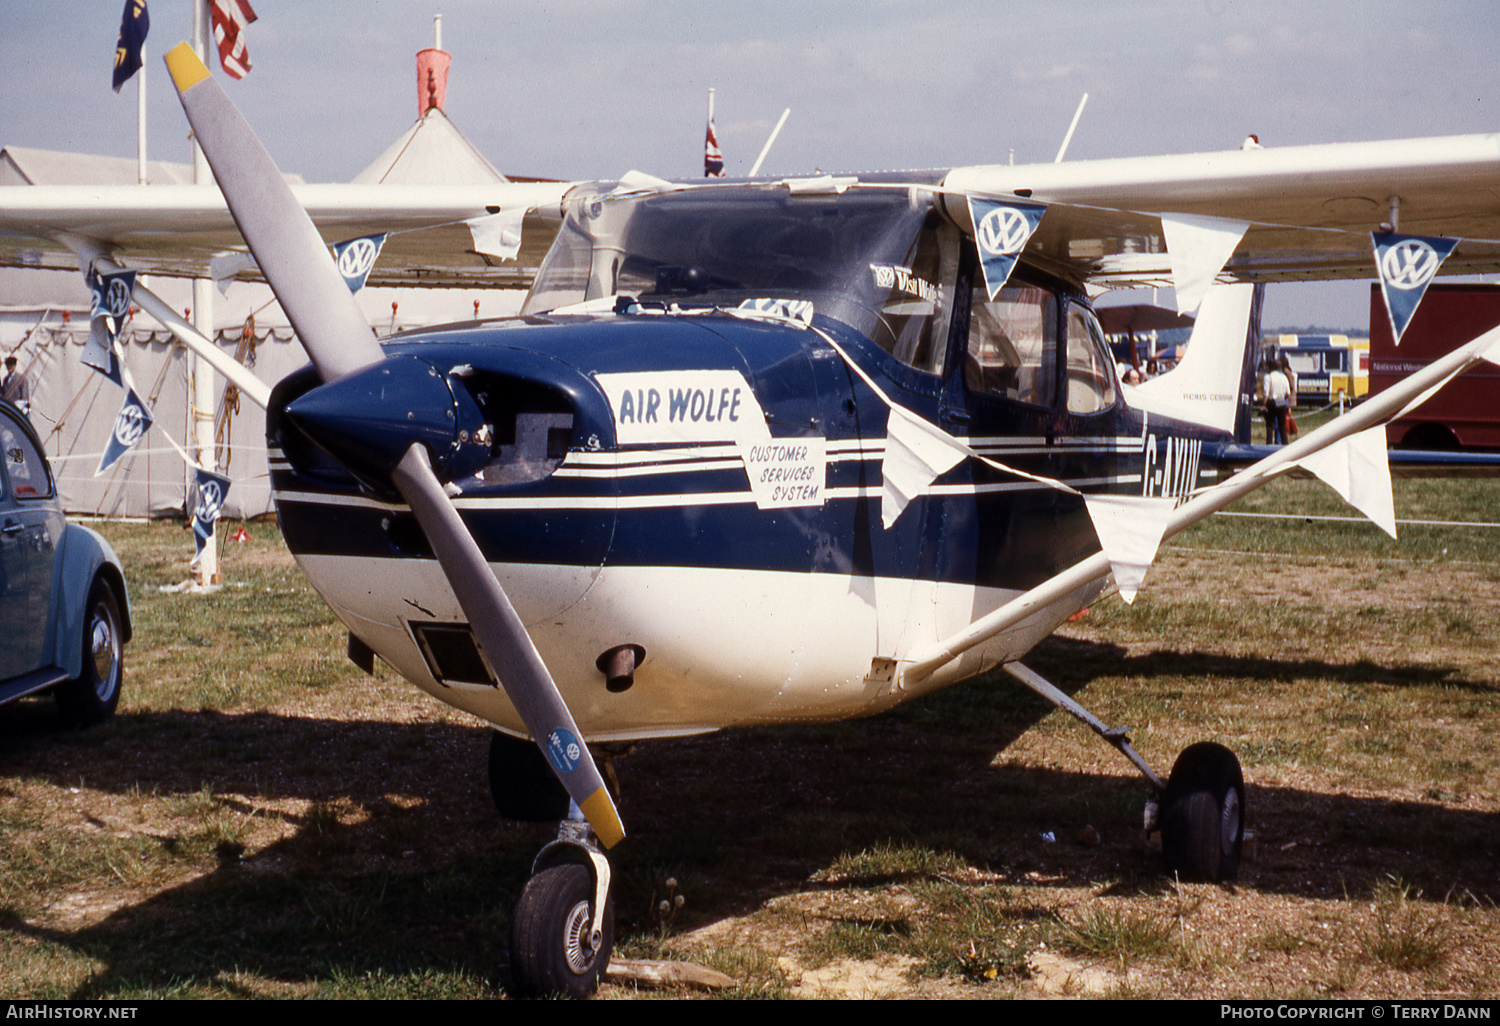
(575, 89)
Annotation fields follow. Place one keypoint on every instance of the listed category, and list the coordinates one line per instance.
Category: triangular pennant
(1001, 230)
(111, 292)
(356, 259)
(99, 351)
(498, 235)
(132, 422)
(1358, 468)
(1198, 247)
(224, 266)
(209, 490)
(916, 453)
(1407, 264)
(1129, 529)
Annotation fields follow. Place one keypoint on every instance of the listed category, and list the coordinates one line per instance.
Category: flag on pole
(713, 158)
(229, 19)
(134, 24)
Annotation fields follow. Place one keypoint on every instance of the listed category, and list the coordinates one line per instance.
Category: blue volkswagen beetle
(64, 612)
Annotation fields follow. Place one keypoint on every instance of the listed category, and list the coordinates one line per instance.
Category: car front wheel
(94, 694)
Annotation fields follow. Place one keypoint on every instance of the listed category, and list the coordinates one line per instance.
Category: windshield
(882, 260)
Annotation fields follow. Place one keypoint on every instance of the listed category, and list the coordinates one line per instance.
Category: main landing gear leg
(563, 926)
(1200, 810)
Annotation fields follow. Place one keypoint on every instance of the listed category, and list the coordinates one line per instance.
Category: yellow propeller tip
(185, 67)
(600, 812)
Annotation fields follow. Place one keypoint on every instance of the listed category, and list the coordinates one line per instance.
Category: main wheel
(1203, 814)
(550, 949)
(95, 693)
(522, 785)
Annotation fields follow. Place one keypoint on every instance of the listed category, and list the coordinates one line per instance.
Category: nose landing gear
(563, 927)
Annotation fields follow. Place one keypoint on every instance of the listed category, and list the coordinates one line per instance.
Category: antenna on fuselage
(767, 147)
(1069, 137)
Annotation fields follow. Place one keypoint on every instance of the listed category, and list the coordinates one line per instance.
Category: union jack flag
(713, 160)
(229, 19)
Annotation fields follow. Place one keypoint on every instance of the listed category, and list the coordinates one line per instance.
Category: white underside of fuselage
(724, 647)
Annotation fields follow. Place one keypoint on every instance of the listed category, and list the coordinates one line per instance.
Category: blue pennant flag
(133, 421)
(1407, 264)
(209, 490)
(1001, 230)
(107, 315)
(356, 259)
(134, 24)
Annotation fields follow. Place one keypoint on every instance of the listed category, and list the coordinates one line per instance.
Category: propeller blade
(287, 247)
(296, 262)
(506, 644)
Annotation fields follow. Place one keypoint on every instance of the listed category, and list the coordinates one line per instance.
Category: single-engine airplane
(795, 449)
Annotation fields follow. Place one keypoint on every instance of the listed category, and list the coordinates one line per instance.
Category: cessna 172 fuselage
(693, 470)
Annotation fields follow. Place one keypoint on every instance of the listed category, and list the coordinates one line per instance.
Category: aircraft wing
(178, 229)
(1310, 209)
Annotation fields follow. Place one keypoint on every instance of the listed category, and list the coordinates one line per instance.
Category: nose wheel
(554, 946)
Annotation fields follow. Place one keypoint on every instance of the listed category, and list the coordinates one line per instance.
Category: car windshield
(882, 260)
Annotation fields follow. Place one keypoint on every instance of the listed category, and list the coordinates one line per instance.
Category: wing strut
(1117, 736)
(90, 254)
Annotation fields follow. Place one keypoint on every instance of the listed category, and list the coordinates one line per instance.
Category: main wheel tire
(522, 785)
(550, 951)
(94, 694)
(1203, 814)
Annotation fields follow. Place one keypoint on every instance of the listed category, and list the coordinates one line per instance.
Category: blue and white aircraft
(763, 451)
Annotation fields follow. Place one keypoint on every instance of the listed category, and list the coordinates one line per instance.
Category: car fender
(85, 556)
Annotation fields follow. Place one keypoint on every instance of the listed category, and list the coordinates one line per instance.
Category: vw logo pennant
(1407, 265)
(356, 259)
(1001, 231)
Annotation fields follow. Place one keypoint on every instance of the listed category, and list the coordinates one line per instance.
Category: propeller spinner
(301, 272)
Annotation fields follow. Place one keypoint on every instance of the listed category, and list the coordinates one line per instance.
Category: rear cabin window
(1013, 344)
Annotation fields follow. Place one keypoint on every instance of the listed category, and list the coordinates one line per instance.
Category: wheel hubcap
(579, 952)
(106, 651)
(1229, 821)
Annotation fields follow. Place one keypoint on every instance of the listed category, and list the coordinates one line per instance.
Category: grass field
(262, 819)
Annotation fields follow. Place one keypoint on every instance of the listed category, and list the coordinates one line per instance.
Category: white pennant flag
(498, 235)
(1359, 469)
(916, 453)
(1199, 247)
(1129, 529)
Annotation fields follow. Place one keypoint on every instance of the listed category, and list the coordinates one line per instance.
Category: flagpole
(200, 377)
(140, 118)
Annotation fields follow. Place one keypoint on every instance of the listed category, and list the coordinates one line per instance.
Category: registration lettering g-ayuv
(1170, 471)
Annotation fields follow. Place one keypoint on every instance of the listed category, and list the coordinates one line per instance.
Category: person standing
(14, 387)
(1276, 391)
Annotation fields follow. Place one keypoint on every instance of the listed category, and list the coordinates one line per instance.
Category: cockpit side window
(1090, 381)
(1013, 344)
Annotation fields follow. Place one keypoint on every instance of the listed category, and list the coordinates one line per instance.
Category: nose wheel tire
(1203, 814)
(94, 694)
(551, 950)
